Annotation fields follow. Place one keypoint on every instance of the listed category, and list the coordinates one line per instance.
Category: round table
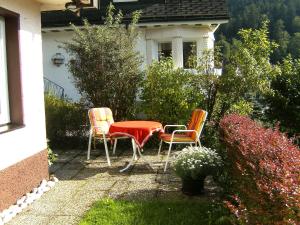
(139, 131)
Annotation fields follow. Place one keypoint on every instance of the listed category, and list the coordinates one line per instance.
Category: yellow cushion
(101, 119)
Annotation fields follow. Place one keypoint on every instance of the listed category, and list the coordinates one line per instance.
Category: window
(4, 100)
(189, 49)
(164, 50)
(11, 105)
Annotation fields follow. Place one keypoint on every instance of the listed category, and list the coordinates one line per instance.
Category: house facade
(166, 27)
(23, 147)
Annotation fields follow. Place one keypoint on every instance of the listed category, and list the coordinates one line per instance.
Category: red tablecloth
(141, 131)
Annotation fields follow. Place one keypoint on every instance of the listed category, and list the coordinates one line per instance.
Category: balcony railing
(53, 88)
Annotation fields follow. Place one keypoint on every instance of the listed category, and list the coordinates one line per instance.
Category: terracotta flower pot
(193, 187)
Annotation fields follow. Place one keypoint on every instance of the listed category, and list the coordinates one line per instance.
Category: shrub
(65, 122)
(246, 73)
(52, 157)
(284, 105)
(167, 94)
(105, 64)
(265, 169)
(242, 108)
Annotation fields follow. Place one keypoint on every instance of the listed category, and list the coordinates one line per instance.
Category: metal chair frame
(196, 141)
(105, 138)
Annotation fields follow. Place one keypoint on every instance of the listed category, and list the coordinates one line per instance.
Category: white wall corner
(177, 52)
(206, 42)
(151, 51)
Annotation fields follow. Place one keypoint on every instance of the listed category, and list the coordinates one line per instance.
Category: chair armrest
(174, 126)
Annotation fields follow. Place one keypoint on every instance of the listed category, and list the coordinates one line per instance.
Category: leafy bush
(105, 64)
(247, 73)
(168, 94)
(65, 122)
(248, 70)
(242, 108)
(52, 157)
(265, 169)
(196, 162)
(284, 104)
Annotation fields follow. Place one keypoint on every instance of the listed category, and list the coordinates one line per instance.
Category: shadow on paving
(75, 166)
(72, 165)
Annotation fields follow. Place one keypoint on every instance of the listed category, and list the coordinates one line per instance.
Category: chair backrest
(197, 122)
(100, 119)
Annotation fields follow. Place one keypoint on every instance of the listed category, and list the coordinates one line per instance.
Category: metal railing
(53, 88)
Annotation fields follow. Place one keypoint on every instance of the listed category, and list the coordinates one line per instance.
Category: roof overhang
(193, 23)
(50, 5)
(211, 25)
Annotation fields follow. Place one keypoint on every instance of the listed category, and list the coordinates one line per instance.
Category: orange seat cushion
(196, 122)
(108, 136)
(177, 138)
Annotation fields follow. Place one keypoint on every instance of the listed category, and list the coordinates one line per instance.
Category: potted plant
(192, 165)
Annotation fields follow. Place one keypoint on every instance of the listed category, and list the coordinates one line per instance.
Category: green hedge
(65, 122)
(168, 94)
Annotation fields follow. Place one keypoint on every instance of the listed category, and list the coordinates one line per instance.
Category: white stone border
(7, 214)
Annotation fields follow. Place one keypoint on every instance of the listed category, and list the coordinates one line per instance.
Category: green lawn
(156, 212)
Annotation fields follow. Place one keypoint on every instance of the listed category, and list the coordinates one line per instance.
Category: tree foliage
(246, 72)
(105, 65)
(284, 104)
(283, 16)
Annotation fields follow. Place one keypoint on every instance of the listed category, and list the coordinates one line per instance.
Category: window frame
(183, 53)
(4, 96)
(12, 30)
(159, 50)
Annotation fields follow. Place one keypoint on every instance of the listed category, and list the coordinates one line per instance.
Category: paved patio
(84, 182)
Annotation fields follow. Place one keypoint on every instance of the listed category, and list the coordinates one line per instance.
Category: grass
(157, 212)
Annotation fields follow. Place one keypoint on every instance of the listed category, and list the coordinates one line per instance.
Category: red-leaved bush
(265, 168)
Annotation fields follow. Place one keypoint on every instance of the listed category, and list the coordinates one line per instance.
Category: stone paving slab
(80, 203)
(29, 219)
(84, 182)
(96, 185)
(60, 220)
(63, 174)
(45, 208)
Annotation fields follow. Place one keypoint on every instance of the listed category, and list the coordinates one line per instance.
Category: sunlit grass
(157, 212)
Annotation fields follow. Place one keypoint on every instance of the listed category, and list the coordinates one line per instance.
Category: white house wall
(23, 150)
(147, 45)
(25, 142)
(60, 75)
(141, 47)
